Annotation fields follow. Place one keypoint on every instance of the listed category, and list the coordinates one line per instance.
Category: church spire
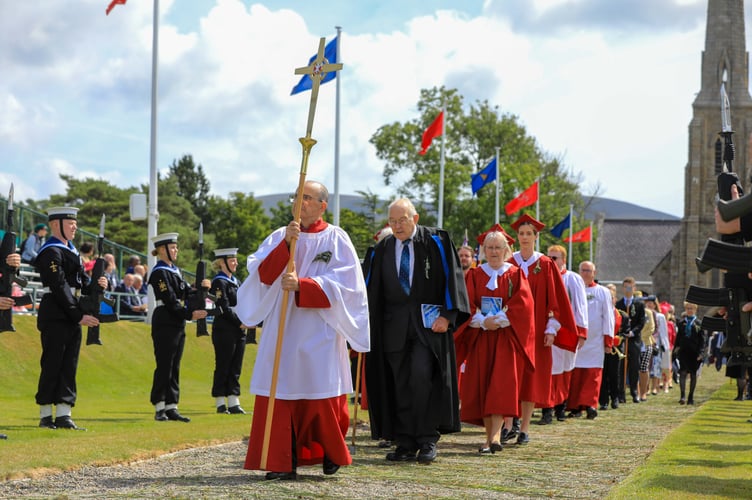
(725, 57)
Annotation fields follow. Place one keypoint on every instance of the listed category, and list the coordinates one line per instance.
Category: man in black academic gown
(411, 371)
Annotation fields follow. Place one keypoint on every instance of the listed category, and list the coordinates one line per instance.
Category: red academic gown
(550, 297)
(495, 360)
(319, 425)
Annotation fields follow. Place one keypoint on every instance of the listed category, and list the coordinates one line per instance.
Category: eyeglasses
(400, 221)
(306, 197)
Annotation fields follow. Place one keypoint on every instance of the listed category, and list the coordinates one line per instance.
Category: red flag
(113, 4)
(434, 130)
(579, 236)
(524, 199)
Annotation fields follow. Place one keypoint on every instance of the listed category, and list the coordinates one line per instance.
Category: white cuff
(552, 326)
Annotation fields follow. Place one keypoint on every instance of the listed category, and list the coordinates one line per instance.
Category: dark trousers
(229, 348)
(633, 370)
(169, 342)
(610, 379)
(417, 392)
(61, 344)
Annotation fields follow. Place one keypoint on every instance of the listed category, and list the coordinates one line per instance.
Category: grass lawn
(114, 381)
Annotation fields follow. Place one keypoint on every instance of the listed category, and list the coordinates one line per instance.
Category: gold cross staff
(318, 68)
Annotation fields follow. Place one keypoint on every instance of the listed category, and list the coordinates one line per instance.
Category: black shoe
(622, 400)
(523, 438)
(282, 476)
(385, 443)
(575, 414)
(427, 453)
(65, 423)
(546, 417)
(603, 407)
(222, 409)
(236, 410)
(591, 413)
(401, 455)
(508, 435)
(160, 416)
(615, 404)
(559, 411)
(681, 401)
(496, 447)
(635, 399)
(172, 414)
(47, 423)
(3, 436)
(690, 401)
(329, 466)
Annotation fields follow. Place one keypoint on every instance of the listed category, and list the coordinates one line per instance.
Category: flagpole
(591, 241)
(537, 210)
(441, 167)
(153, 216)
(336, 135)
(569, 264)
(498, 186)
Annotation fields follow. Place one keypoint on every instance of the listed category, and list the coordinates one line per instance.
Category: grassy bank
(114, 381)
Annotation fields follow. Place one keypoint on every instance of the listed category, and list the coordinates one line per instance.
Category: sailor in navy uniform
(172, 292)
(228, 333)
(60, 318)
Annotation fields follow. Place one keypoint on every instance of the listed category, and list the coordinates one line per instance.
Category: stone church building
(724, 60)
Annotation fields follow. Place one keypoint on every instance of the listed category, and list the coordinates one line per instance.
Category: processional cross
(316, 70)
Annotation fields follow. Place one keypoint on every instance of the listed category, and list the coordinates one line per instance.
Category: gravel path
(577, 458)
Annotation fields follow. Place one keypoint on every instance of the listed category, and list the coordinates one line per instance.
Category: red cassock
(551, 300)
(496, 359)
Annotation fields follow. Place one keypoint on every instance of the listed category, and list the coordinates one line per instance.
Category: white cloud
(78, 90)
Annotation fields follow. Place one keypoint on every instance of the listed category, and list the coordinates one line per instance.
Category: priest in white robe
(327, 309)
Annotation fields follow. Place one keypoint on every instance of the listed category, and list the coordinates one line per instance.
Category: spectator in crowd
(110, 272)
(133, 261)
(30, 247)
(130, 303)
(140, 270)
(87, 256)
(141, 291)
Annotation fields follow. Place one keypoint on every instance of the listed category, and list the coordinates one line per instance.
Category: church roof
(632, 247)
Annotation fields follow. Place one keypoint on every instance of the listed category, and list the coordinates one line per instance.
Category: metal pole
(441, 168)
(336, 133)
(153, 216)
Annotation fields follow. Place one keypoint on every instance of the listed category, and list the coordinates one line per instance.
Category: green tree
(237, 221)
(473, 133)
(192, 183)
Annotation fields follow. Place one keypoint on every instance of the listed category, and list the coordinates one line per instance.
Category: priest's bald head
(314, 203)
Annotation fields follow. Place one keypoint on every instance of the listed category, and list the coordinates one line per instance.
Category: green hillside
(114, 381)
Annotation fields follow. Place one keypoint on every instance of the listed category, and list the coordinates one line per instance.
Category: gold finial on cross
(316, 70)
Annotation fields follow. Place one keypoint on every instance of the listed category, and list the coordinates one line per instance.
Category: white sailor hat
(226, 252)
(62, 213)
(164, 239)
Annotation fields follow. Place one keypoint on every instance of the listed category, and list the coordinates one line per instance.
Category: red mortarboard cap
(527, 219)
(496, 227)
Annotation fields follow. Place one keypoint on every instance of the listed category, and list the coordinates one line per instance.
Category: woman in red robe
(498, 340)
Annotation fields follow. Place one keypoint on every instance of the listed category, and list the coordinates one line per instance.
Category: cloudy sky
(606, 86)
